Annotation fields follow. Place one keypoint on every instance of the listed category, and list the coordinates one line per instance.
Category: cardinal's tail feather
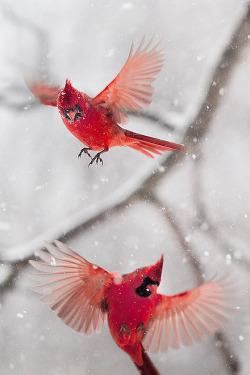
(148, 145)
(147, 368)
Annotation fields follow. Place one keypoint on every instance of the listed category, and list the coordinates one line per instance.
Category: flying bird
(83, 295)
(94, 121)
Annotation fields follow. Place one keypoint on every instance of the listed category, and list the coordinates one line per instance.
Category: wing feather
(188, 317)
(132, 88)
(45, 93)
(72, 287)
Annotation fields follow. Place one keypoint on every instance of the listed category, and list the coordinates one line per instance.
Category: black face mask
(76, 109)
(142, 290)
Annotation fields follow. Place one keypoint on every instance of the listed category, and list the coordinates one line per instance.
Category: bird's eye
(142, 291)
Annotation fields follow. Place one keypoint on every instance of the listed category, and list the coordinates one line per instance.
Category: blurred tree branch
(37, 32)
(145, 181)
(143, 185)
(230, 359)
(154, 118)
(203, 217)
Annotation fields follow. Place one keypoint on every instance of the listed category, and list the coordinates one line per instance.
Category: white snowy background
(194, 209)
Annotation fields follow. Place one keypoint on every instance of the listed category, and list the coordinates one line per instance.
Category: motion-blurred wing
(47, 95)
(132, 88)
(187, 317)
(73, 287)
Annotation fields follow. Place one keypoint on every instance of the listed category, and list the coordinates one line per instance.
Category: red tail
(147, 367)
(148, 145)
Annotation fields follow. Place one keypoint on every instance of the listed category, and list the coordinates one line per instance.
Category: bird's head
(71, 102)
(146, 279)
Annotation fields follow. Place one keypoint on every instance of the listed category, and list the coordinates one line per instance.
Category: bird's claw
(125, 330)
(97, 158)
(86, 151)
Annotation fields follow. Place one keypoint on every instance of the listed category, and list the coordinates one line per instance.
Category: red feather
(94, 121)
(83, 295)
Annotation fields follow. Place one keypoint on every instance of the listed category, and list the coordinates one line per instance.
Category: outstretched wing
(132, 88)
(73, 287)
(47, 95)
(187, 317)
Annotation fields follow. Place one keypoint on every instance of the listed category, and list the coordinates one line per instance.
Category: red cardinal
(83, 295)
(94, 121)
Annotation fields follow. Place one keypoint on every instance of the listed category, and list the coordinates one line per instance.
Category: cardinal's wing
(187, 317)
(73, 287)
(47, 94)
(132, 88)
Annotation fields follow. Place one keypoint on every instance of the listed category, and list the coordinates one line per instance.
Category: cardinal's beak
(71, 114)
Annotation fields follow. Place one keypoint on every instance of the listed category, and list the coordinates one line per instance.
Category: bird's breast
(128, 314)
(93, 128)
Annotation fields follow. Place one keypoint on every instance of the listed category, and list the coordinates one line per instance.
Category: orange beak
(72, 114)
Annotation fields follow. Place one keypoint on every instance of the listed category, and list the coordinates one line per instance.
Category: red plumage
(94, 121)
(83, 295)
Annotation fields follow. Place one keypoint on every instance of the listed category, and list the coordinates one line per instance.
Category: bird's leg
(125, 330)
(97, 157)
(86, 151)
